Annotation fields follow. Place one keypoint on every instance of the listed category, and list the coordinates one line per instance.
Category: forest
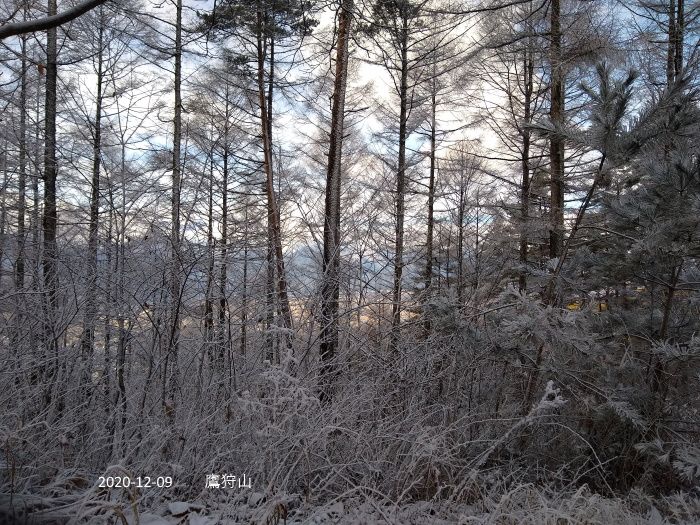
(350, 261)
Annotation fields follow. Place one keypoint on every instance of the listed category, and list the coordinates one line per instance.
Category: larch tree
(330, 287)
(50, 212)
(395, 33)
(173, 335)
(87, 337)
(513, 68)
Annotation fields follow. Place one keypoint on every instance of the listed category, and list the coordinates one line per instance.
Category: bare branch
(41, 24)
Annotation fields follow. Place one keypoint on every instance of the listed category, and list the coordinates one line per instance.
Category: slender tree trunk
(274, 228)
(400, 190)
(175, 283)
(22, 182)
(670, 294)
(448, 258)
(330, 290)
(223, 267)
(208, 303)
(36, 251)
(477, 243)
(679, 38)
(50, 217)
(556, 145)
(431, 206)
(244, 304)
(281, 276)
(659, 380)
(671, 50)
(244, 291)
(87, 339)
(270, 92)
(528, 72)
(439, 260)
(271, 337)
(109, 301)
(3, 201)
(461, 212)
(121, 310)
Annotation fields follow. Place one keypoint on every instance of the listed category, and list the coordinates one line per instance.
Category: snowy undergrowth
(432, 432)
(523, 504)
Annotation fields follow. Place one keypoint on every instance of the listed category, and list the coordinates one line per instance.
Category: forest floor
(524, 504)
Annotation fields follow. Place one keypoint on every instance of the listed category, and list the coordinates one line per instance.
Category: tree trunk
(671, 50)
(271, 336)
(22, 182)
(3, 200)
(87, 339)
(431, 206)
(34, 218)
(223, 266)
(121, 310)
(109, 300)
(330, 291)
(400, 190)
(208, 303)
(556, 145)
(50, 217)
(477, 243)
(679, 36)
(273, 216)
(659, 380)
(528, 72)
(175, 284)
(461, 213)
(244, 291)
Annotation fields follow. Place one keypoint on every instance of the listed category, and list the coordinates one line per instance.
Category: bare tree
(50, 213)
(330, 288)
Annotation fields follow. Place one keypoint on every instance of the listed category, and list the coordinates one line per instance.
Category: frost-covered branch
(42, 24)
